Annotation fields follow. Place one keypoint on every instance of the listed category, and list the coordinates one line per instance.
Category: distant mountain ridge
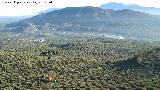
(47, 11)
(10, 19)
(120, 6)
(125, 22)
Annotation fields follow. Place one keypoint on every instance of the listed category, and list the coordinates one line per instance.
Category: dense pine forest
(70, 62)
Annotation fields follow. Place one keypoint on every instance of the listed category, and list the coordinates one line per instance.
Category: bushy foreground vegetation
(69, 62)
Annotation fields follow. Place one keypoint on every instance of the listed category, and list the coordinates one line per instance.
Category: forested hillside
(72, 62)
(81, 48)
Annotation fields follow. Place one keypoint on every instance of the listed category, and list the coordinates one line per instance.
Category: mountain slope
(125, 22)
(120, 6)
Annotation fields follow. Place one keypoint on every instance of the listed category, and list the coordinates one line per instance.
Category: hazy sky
(24, 8)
